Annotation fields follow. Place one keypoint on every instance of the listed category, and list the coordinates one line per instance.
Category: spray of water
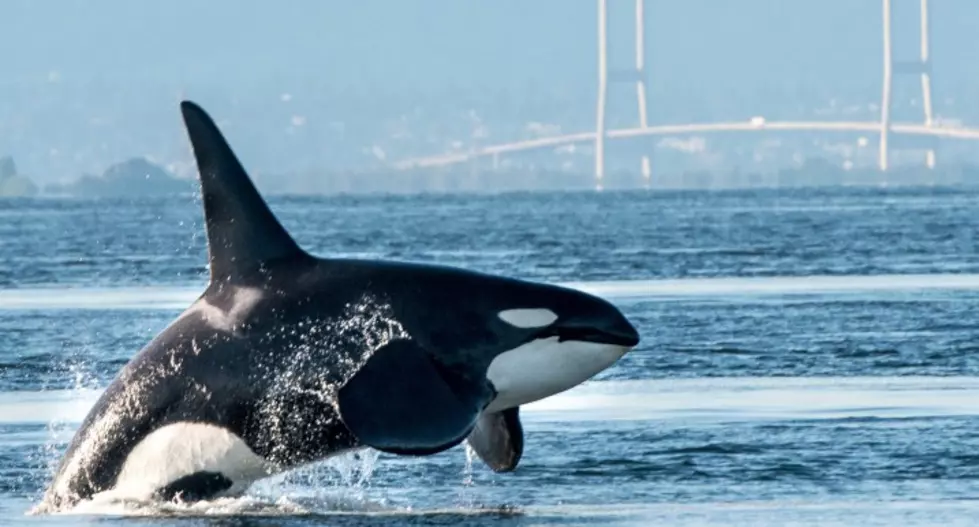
(466, 496)
(59, 432)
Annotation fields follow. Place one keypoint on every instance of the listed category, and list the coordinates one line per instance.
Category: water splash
(60, 431)
(341, 483)
(467, 472)
(467, 496)
(344, 344)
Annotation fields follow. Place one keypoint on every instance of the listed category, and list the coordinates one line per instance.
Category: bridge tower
(921, 66)
(636, 74)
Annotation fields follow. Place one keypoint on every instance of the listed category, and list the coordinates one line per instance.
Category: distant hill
(13, 185)
(131, 178)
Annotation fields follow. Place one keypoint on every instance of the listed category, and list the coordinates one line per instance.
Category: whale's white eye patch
(528, 318)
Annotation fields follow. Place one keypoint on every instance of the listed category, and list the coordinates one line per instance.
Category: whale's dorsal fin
(243, 236)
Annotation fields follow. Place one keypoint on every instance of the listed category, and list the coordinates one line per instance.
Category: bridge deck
(679, 129)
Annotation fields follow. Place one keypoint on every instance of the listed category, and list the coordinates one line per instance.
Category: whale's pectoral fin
(498, 439)
(400, 402)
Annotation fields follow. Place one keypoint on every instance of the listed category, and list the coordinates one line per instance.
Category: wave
(759, 512)
(696, 399)
(179, 297)
(780, 285)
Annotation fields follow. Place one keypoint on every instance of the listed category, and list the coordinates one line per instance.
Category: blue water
(807, 356)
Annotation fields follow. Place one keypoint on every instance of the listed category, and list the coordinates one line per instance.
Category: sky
(706, 58)
(431, 43)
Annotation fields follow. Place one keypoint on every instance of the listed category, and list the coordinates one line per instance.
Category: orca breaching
(288, 359)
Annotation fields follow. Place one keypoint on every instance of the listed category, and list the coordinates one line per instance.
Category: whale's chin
(545, 367)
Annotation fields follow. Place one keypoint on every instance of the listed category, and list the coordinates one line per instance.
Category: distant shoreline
(868, 189)
(138, 177)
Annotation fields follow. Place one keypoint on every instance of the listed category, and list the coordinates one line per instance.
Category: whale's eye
(528, 318)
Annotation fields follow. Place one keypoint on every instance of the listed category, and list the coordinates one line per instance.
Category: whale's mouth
(615, 332)
(596, 323)
(626, 337)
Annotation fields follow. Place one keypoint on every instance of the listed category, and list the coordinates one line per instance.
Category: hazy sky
(429, 44)
(708, 59)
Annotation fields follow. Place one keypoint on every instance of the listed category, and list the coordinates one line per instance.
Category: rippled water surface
(807, 357)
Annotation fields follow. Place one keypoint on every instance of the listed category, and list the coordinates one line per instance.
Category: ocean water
(807, 357)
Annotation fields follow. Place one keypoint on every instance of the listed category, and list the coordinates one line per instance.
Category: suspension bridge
(920, 66)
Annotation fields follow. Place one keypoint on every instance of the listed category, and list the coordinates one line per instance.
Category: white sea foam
(701, 399)
(180, 297)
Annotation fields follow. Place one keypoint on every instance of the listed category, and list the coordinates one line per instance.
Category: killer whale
(287, 358)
